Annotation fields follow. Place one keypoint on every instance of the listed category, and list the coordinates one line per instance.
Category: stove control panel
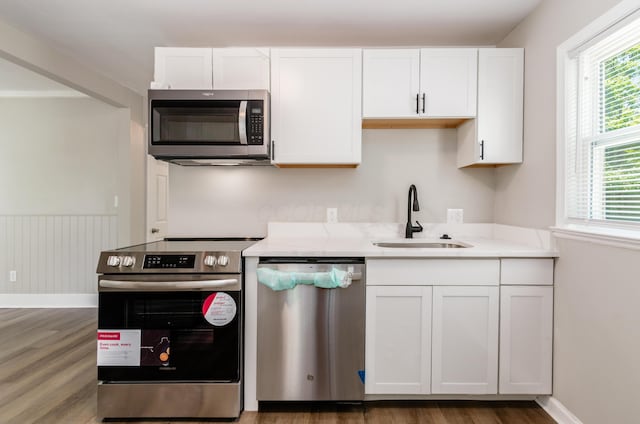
(169, 261)
(177, 262)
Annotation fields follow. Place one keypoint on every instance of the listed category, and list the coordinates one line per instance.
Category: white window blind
(603, 128)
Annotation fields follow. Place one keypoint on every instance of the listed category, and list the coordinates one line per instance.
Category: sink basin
(422, 244)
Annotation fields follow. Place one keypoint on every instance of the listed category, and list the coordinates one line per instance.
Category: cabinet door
(495, 136)
(526, 338)
(500, 105)
(448, 82)
(182, 68)
(316, 106)
(465, 340)
(398, 338)
(390, 83)
(157, 199)
(240, 69)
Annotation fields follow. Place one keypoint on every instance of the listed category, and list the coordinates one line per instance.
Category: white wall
(206, 201)
(58, 177)
(39, 56)
(597, 292)
(58, 156)
(525, 194)
(597, 332)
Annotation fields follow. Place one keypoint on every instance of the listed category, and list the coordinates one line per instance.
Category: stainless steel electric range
(170, 320)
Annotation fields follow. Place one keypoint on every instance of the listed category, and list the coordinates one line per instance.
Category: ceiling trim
(41, 94)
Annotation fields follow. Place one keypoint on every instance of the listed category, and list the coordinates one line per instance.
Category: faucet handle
(418, 228)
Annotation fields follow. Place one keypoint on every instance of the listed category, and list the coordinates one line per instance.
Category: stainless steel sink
(410, 244)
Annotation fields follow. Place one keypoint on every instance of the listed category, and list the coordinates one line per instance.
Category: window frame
(599, 230)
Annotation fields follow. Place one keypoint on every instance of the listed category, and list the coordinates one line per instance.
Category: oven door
(169, 328)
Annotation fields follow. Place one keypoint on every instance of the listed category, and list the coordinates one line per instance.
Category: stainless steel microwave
(210, 127)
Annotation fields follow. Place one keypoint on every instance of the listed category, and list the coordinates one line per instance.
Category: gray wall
(59, 172)
(39, 56)
(596, 344)
(525, 194)
(240, 201)
(59, 156)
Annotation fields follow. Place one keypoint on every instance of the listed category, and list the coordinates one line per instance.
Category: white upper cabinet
(495, 136)
(240, 69)
(410, 83)
(206, 68)
(182, 68)
(390, 83)
(448, 79)
(316, 106)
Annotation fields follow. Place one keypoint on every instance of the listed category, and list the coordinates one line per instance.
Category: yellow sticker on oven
(219, 309)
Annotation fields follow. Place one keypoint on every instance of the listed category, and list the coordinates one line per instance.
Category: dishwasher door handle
(355, 276)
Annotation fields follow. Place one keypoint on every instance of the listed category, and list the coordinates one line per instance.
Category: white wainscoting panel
(53, 253)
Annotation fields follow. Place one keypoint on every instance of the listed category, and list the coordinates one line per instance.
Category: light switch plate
(13, 276)
(332, 215)
(455, 216)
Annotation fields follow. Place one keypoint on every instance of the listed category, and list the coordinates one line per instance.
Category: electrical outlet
(332, 215)
(13, 276)
(455, 216)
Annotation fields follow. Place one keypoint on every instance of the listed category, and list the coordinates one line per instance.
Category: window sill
(616, 237)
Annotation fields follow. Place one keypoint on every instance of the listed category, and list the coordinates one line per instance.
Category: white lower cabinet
(526, 339)
(398, 340)
(447, 327)
(465, 340)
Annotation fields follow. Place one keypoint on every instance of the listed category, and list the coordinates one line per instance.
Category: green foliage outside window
(621, 109)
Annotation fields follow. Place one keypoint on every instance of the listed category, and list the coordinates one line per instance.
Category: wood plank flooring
(48, 375)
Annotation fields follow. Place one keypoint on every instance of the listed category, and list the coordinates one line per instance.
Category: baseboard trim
(49, 300)
(557, 410)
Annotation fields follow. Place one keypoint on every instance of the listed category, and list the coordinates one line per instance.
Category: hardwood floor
(48, 375)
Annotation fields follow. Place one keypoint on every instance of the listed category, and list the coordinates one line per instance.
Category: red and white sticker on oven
(219, 309)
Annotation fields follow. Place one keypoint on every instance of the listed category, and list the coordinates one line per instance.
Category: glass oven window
(177, 342)
(195, 123)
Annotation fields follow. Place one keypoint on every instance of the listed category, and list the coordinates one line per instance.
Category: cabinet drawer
(428, 272)
(526, 271)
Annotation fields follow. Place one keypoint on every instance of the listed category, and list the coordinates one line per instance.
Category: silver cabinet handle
(166, 285)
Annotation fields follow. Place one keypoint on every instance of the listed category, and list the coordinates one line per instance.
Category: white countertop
(361, 245)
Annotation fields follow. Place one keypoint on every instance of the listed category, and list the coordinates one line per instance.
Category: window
(602, 128)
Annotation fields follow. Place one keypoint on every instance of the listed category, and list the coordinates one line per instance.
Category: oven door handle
(166, 285)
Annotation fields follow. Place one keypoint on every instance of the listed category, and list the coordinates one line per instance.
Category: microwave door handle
(242, 122)
(166, 285)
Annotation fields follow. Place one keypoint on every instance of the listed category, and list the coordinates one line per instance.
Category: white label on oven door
(119, 348)
(219, 309)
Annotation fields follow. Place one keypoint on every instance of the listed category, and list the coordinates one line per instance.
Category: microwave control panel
(256, 122)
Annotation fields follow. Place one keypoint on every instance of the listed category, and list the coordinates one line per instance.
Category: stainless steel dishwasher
(311, 339)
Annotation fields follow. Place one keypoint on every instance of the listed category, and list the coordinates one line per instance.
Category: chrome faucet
(410, 229)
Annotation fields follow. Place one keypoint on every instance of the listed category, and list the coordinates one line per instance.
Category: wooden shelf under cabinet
(431, 123)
